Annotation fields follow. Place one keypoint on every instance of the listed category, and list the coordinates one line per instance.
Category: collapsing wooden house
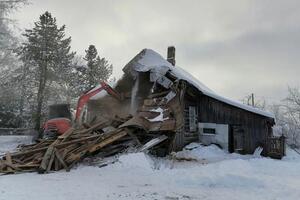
(165, 99)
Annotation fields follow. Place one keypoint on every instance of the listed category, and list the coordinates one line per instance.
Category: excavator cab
(59, 120)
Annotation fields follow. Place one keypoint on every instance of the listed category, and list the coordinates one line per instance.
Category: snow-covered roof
(149, 60)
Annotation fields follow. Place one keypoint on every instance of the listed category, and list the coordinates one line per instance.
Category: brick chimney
(171, 55)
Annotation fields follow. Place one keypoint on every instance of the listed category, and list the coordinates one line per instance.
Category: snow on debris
(152, 61)
(160, 117)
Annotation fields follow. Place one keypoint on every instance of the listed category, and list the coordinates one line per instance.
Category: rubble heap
(104, 138)
(154, 97)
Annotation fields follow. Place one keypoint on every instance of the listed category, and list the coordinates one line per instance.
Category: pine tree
(48, 51)
(9, 93)
(97, 69)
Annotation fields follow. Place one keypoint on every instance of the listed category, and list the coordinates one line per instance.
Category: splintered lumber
(104, 137)
(153, 142)
(96, 126)
(24, 153)
(8, 162)
(107, 141)
(61, 160)
(67, 134)
(51, 161)
(49, 155)
(46, 159)
(62, 153)
(133, 136)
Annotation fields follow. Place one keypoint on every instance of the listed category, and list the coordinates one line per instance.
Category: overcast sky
(235, 47)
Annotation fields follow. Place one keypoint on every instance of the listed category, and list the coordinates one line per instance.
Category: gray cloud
(235, 47)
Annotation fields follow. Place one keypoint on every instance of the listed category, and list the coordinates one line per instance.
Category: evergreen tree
(98, 69)
(48, 51)
(9, 93)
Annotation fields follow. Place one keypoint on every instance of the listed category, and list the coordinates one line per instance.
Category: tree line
(42, 69)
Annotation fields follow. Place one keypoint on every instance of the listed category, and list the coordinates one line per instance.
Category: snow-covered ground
(10, 142)
(211, 174)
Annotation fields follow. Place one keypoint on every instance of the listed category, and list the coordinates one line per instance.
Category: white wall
(220, 137)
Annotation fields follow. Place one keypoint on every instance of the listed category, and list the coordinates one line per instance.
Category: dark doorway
(236, 139)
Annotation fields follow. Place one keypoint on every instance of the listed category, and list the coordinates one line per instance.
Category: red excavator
(60, 120)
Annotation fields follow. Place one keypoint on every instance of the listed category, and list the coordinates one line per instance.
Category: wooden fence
(276, 147)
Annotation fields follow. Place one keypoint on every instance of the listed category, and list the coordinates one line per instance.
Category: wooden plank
(46, 159)
(96, 126)
(74, 157)
(133, 136)
(47, 156)
(24, 153)
(2, 166)
(56, 164)
(29, 165)
(9, 162)
(13, 167)
(61, 161)
(153, 142)
(94, 137)
(67, 134)
(107, 141)
(51, 161)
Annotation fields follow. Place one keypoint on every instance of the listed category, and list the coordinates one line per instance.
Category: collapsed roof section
(150, 61)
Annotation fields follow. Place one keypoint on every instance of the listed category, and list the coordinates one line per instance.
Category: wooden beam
(51, 161)
(133, 136)
(46, 159)
(61, 161)
(107, 141)
(9, 162)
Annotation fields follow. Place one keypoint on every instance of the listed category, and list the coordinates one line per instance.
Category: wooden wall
(214, 111)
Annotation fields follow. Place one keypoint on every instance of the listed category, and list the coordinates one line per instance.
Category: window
(190, 116)
(192, 119)
(209, 131)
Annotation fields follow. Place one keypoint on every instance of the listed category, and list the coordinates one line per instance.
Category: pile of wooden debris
(105, 138)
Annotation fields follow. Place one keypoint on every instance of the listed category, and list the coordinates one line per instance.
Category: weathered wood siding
(211, 110)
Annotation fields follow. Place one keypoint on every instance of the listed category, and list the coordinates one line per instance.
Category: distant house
(189, 110)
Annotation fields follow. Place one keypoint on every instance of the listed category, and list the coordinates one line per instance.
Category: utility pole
(252, 97)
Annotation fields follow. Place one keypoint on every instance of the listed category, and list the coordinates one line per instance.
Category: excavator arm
(83, 99)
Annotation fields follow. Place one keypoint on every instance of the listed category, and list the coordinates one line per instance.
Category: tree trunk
(40, 97)
(22, 98)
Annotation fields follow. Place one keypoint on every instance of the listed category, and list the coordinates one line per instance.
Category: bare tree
(287, 117)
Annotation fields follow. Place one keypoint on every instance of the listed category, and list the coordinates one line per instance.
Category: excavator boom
(83, 99)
